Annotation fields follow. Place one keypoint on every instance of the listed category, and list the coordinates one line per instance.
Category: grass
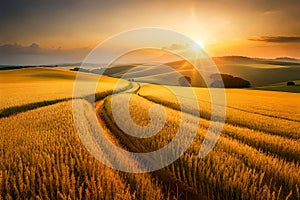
(282, 87)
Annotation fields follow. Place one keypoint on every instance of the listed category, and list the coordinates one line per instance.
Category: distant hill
(228, 81)
(282, 86)
(154, 73)
(258, 71)
(287, 59)
(244, 59)
(233, 59)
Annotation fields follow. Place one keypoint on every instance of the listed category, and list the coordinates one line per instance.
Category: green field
(281, 87)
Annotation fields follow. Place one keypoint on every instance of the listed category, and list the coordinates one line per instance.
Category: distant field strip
(282, 87)
(31, 85)
(20, 95)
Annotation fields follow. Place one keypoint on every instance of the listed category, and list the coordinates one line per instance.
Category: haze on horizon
(42, 32)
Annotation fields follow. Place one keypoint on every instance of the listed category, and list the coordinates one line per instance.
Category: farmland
(259, 72)
(256, 157)
(282, 87)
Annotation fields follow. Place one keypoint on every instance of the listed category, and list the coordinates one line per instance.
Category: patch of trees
(290, 83)
(14, 67)
(228, 81)
(80, 69)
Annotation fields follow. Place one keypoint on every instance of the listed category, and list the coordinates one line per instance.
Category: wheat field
(246, 163)
(42, 157)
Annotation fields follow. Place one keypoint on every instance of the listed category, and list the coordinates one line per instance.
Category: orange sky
(256, 28)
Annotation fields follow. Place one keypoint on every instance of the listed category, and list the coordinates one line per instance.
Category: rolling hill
(259, 72)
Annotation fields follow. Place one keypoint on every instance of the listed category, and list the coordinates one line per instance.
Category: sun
(197, 45)
(200, 43)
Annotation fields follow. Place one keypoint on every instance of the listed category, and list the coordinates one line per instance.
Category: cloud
(177, 47)
(17, 49)
(276, 39)
(271, 12)
(15, 54)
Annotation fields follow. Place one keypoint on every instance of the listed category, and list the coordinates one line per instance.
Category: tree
(290, 83)
(229, 81)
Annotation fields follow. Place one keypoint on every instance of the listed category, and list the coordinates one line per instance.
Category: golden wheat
(257, 155)
(42, 156)
(257, 174)
(235, 115)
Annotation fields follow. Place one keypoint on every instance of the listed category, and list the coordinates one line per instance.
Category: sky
(46, 32)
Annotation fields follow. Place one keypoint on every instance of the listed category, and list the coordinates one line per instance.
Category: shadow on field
(6, 112)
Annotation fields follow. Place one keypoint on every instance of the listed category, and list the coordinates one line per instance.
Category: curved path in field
(118, 137)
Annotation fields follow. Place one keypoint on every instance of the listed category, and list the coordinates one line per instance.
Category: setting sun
(200, 43)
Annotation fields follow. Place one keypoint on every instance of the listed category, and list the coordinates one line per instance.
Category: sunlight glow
(200, 43)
